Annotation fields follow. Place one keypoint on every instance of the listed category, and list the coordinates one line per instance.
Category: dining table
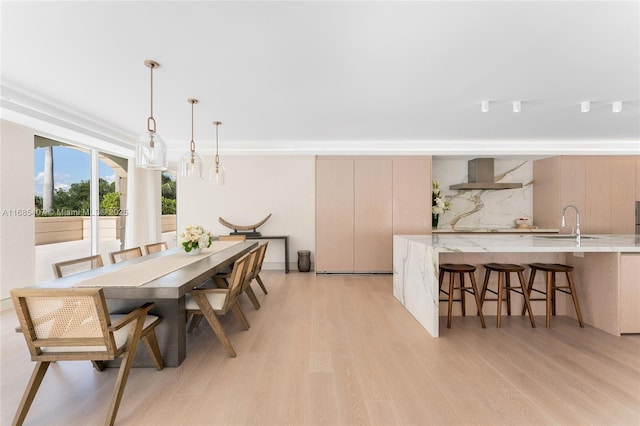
(163, 278)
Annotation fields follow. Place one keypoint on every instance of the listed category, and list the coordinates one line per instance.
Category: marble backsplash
(486, 209)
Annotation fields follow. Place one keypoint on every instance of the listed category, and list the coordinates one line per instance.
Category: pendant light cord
(151, 122)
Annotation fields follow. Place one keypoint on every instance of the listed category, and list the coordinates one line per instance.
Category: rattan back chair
(156, 247)
(75, 266)
(126, 254)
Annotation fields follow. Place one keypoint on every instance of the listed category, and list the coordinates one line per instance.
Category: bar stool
(552, 287)
(460, 269)
(504, 283)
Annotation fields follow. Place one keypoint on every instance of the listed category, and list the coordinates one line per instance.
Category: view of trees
(75, 201)
(168, 194)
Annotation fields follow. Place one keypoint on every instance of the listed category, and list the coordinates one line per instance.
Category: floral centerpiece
(195, 238)
(438, 204)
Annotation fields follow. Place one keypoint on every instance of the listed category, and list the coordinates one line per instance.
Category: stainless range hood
(481, 176)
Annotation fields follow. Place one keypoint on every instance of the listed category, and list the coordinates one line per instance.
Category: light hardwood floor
(340, 350)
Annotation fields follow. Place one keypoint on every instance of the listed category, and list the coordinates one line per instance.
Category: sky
(69, 166)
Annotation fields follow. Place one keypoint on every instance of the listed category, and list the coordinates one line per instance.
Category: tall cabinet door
(334, 215)
(373, 228)
(411, 196)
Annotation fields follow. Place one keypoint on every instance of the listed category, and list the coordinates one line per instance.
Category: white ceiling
(329, 77)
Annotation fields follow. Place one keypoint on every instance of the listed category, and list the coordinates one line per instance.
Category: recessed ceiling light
(484, 106)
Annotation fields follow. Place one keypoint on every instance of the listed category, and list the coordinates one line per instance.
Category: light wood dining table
(162, 278)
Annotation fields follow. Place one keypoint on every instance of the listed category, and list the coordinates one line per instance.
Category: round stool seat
(551, 267)
(504, 267)
(457, 267)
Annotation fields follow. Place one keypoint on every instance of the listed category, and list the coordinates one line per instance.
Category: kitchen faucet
(577, 220)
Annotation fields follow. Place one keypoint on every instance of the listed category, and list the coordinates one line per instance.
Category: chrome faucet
(577, 220)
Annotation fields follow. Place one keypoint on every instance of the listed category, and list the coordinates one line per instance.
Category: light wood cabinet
(334, 215)
(411, 200)
(603, 189)
(361, 202)
(630, 293)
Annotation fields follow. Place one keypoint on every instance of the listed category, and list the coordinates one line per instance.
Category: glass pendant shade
(151, 152)
(191, 165)
(216, 175)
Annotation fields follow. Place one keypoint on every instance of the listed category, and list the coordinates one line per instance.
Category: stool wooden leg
(485, 283)
(527, 302)
(574, 296)
(463, 293)
(451, 278)
(508, 287)
(549, 278)
(553, 293)
(441, 278)
(499, 301)
(477, 298)
(529, 287)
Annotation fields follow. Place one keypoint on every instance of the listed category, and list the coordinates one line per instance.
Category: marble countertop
(513, 230)
(527, 243)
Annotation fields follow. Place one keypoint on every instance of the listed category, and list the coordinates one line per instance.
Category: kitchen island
(607, 272)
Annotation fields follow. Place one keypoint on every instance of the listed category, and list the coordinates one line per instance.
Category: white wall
(17, 224)
(256, 186)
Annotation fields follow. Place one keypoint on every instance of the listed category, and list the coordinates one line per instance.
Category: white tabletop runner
(149, 270)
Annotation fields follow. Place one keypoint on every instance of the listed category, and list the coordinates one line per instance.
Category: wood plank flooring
(340, 350)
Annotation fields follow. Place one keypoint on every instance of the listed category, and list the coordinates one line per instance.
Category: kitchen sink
(566, 237)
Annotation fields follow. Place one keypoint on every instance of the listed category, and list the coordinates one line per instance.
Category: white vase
(194, 252)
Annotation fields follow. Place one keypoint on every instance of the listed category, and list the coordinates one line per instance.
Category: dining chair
(259, 266)
(212, 302)
(74, 266)
(126, 254)
(156, 247)
(75, 325)
(236, 237)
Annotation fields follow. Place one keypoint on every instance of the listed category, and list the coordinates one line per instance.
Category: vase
(304, 260)
(194, 251)
(434, 220)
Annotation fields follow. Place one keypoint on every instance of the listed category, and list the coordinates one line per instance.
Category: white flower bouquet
(438, 205)
(194, 238)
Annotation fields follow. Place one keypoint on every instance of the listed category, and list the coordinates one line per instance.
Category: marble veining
(485, 208)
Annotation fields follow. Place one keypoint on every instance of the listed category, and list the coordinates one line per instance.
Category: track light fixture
(517, 106)
(616, 107)
(585, 106)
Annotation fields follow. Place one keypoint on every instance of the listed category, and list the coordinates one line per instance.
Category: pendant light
(216, 172)
(191, 164)
(151, 151)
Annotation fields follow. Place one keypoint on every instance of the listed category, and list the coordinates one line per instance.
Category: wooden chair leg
(123, 372)
(237, 312)
(261, 284)
(30, 392)
(151, 342)
(195, 320)
(574, 296)
(477, 297)
(98, 365)
(553, 294)
(527, 301)
(219, 332)
(252, 297)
